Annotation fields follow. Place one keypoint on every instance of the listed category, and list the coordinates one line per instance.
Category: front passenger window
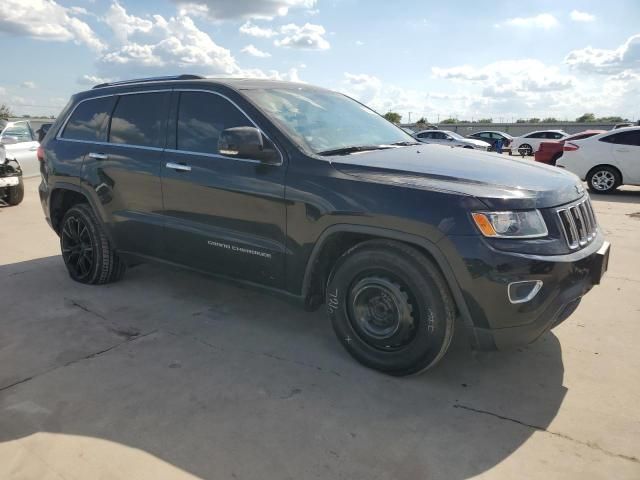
(202, 117)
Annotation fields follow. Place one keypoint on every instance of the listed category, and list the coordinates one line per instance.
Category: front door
(626, 151)
(222, 214)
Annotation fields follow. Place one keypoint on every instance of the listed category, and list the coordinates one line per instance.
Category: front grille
(579, 223)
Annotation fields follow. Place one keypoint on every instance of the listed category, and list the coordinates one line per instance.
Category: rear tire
(390, 307)
(526, 149)
(603, 179)
(16, 193)
(86, 250)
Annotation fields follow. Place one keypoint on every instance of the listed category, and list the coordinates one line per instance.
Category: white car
(447, 137)
(21, 144)
(606, 160)
(530, 143)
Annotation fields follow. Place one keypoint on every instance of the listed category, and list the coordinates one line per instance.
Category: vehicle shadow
(622, 195)
(225, 382)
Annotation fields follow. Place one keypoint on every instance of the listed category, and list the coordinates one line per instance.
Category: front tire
(526, 149)
(86, 250)
(390, 307)
(603, 179)
(16, 193)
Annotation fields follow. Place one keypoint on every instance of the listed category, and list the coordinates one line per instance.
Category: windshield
(323, 121)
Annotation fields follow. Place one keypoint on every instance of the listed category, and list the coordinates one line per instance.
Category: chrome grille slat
(578, 223)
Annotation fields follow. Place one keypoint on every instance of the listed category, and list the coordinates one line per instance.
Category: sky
(465, 59)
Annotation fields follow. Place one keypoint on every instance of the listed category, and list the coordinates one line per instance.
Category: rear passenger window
(89, 120)
(140, 119)
(623, 138)
(201, 118)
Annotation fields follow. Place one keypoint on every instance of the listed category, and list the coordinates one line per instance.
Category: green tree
(587, 117)
(612, 119)
(5, 112)
(449, 121)
(534, 120)
(521, 120)
(550, 120)
(422, 121)
(393, 117)
(484, 120)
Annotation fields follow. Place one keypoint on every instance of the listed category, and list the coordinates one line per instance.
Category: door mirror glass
(247, 143)
(9, 140)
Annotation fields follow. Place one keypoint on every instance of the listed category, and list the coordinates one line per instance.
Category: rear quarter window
(89, 120)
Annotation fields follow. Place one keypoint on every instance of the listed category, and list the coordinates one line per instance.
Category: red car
(550, 151)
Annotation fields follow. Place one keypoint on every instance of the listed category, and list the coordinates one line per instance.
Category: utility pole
(409, 117)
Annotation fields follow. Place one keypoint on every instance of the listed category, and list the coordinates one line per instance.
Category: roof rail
(186, 76)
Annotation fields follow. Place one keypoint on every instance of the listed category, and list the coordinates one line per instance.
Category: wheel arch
(337, 239)
(600, 165)
(64, 196)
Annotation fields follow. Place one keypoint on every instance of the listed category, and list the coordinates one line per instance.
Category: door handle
(98, 156)
(179, 166)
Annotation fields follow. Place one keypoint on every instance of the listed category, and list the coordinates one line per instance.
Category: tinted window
(20, 130)
(201, 118)
(624, 138)
(89, 120)
(535, 135)
(140, 119)
(555, 135)
(424, 135)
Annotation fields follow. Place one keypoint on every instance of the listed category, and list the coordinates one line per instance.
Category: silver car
(447, 137)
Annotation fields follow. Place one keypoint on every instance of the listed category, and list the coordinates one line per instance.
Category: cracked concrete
(169, 374)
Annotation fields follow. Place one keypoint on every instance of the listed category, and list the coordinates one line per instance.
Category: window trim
(170, 150)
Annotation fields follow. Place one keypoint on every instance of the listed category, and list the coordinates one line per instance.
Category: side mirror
(449, 139)
(8, 140)
(247, 143)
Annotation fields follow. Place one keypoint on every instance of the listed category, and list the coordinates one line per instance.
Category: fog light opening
(521, 292)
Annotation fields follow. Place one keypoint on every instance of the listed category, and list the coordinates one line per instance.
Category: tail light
(570, 147)
(40, 153)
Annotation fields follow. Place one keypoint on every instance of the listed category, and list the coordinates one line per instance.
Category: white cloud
(252, 30)
(247, 9)
(255, 52)
(359, 43)
(155, 44)
(93, 80)
(602, 60)
(545, 21)
(28, 84)
(123, 25)
(307, 37)
(513, 76)
(578, 16)
(46, 20)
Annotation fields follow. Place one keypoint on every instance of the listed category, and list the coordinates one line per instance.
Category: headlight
(522, 224)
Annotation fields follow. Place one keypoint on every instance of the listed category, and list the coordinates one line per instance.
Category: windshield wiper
(405, 143)
(353, 149)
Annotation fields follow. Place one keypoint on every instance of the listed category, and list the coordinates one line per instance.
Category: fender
(86, 193)
(408, 238)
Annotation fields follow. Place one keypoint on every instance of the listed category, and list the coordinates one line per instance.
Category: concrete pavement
(170, 374)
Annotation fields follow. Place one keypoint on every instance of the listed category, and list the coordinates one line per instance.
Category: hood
(474, 141)
(498, 181)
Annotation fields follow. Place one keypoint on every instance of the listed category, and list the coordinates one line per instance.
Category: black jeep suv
(308, 193)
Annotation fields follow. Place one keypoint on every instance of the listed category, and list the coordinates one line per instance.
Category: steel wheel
(603, 180)
(381, 313)
(77, 247)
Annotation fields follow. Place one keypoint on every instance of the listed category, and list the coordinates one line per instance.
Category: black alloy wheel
(78, 250)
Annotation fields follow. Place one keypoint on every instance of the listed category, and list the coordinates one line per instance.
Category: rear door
(222, 214)
(124, 171)
(626, 151)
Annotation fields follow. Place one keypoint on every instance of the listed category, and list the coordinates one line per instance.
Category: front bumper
(484, 273)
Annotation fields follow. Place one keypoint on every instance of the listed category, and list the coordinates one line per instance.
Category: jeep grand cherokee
(306, 192)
